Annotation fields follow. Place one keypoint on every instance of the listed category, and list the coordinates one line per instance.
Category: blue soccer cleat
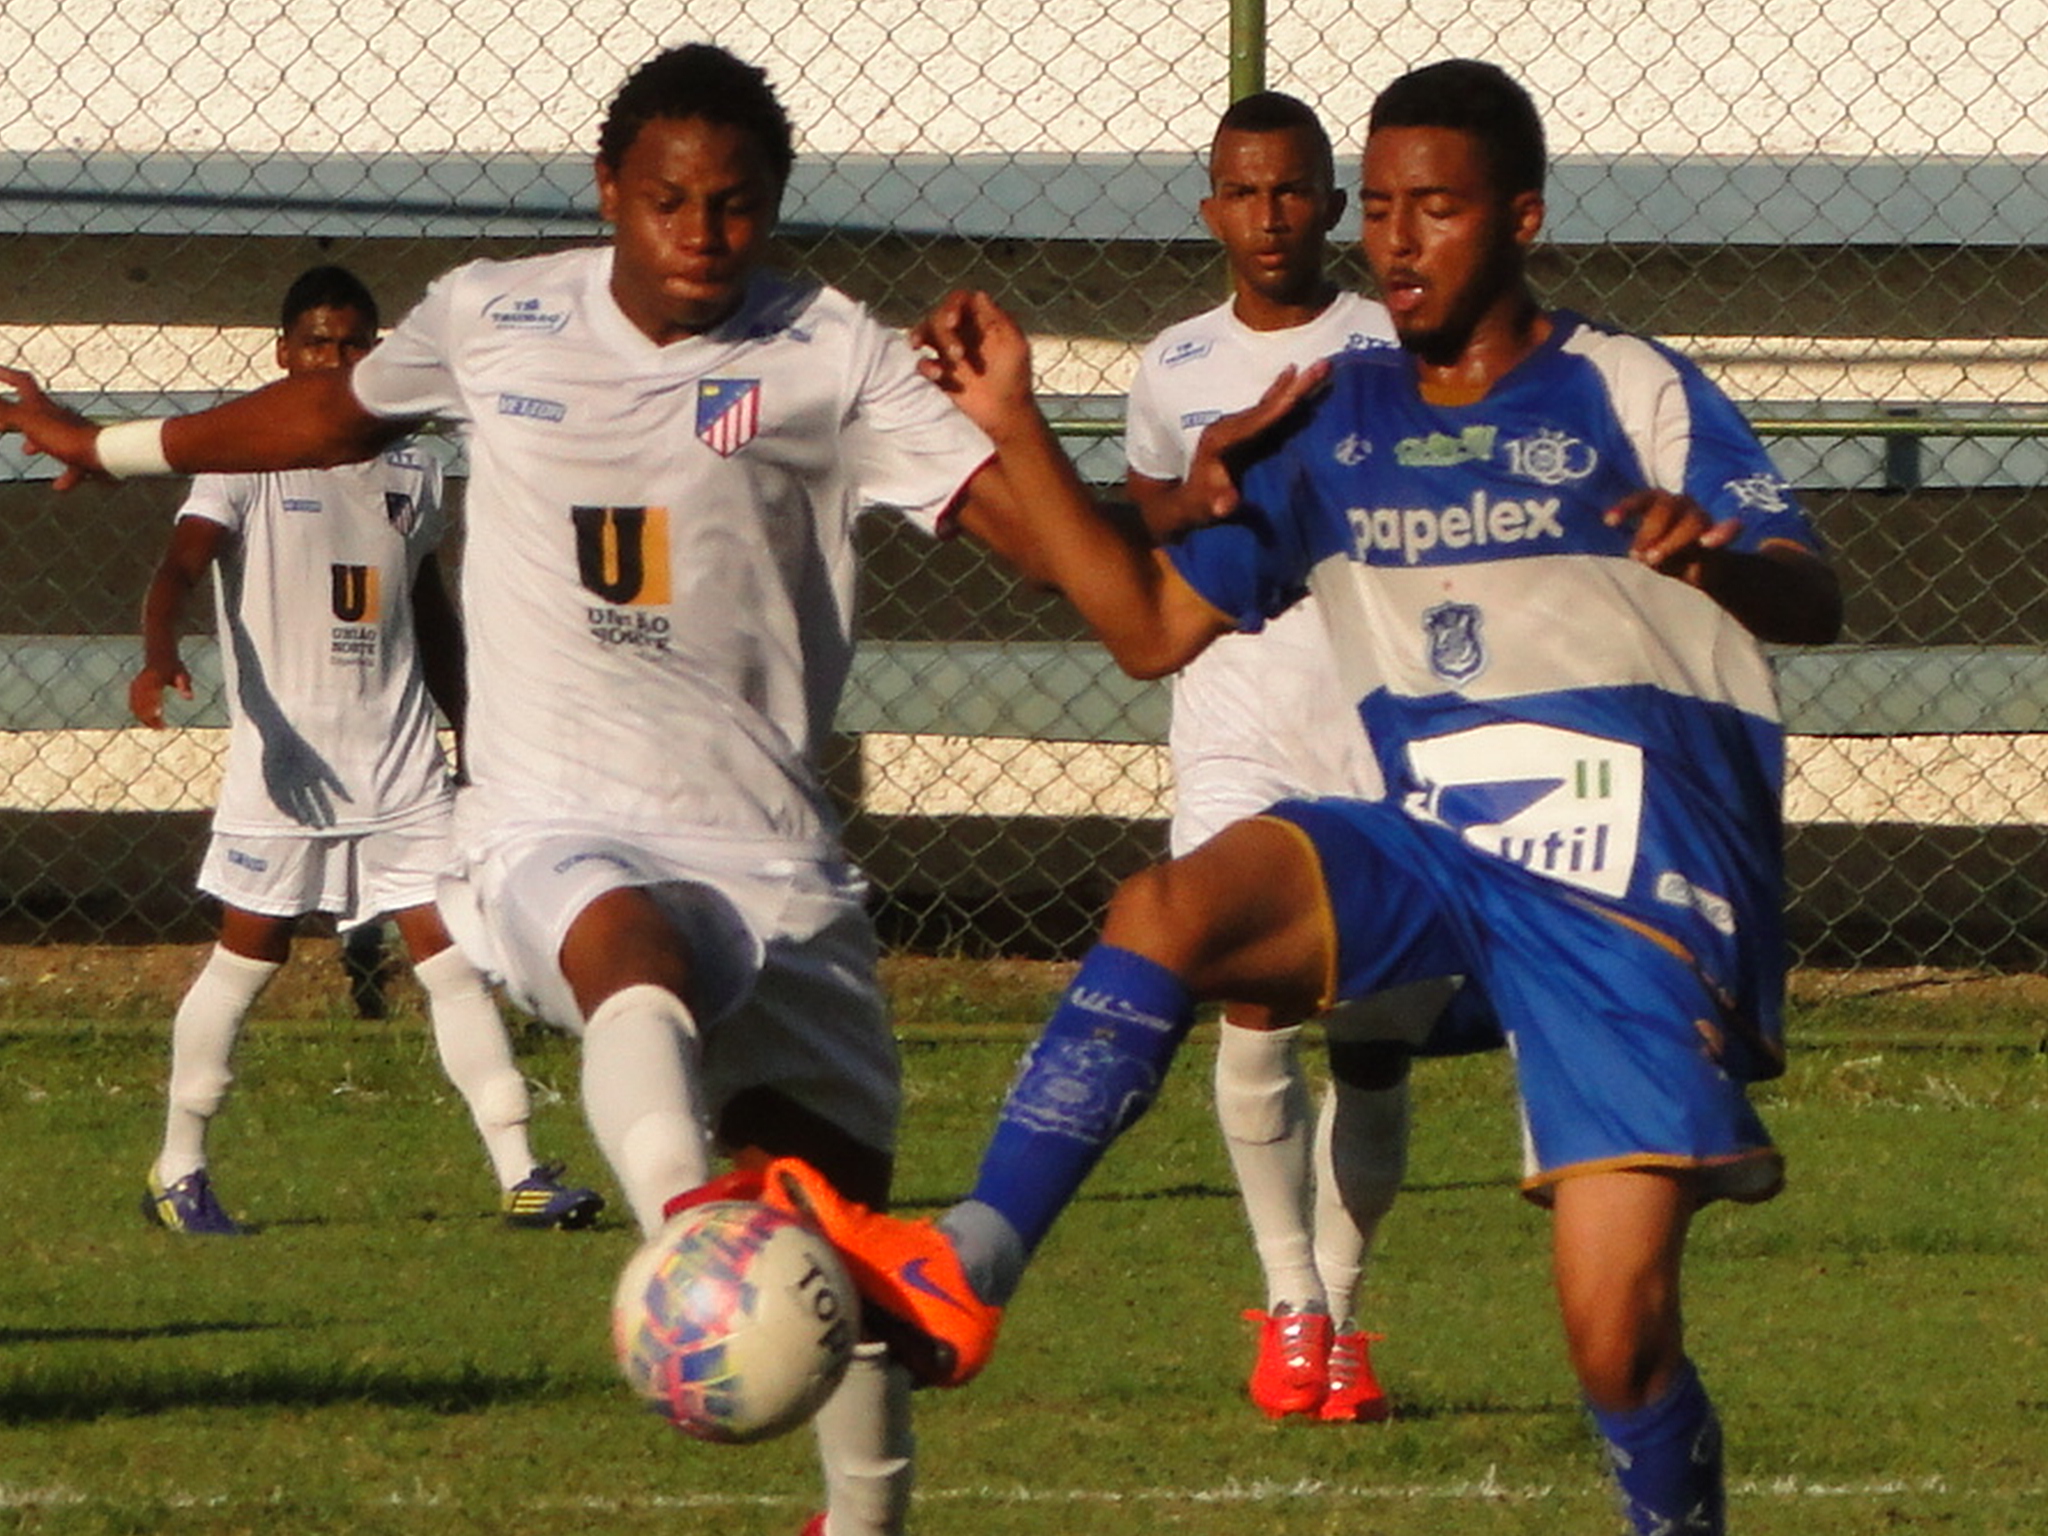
(188, 1205)
(541, 1201)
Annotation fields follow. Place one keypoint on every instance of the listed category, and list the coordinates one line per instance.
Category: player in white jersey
(337, 638)
(1262, 718)
(1555, 548)
(669, 446)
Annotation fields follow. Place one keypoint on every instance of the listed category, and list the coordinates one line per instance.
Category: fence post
(1247, 47)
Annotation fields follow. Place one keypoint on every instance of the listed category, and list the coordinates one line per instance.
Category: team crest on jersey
(1551, 457)
(728, 414)
(402, 512)
(1456, 653)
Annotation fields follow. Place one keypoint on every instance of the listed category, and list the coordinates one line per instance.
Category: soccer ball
(735, 1322)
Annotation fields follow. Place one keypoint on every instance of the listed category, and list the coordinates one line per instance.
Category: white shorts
(782, 954)
(1262, 718)
(359, 877)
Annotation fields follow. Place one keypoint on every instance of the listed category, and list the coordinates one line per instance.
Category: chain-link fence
(1830, 204)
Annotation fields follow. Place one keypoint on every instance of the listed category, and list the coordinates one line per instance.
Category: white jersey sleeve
(408, 373)
(1256, 718)
(1153, 444)
(222, 499)
(905, 442)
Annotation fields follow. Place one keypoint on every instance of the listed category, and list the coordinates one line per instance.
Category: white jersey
(658, 573)
(1256, 718)
(331, 726)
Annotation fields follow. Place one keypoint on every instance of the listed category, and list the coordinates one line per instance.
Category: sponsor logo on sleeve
(527, 316)
(1561, 804)
(1760, 493)
(728, 414)
(531, 408)
(1194, 421)
(1185, 352)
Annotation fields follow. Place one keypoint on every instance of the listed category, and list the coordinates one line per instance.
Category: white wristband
(131, 448)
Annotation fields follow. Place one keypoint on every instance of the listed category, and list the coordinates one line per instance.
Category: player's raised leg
(1243, 917)
(630, 970)
(180, 1194)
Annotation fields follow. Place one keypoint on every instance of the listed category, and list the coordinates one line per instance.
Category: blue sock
(1092, 1072)
(1667, 1458)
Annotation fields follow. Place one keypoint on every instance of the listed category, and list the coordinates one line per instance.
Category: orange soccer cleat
(919, 1300)
(1292, 1372)
(1355, 1395)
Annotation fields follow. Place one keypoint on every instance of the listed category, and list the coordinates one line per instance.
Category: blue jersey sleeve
(1728, 472)
(1254, 564)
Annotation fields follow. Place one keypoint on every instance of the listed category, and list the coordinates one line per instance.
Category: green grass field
(383, 1357)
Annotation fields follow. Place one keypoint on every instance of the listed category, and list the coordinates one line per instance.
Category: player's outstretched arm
(195, 543)
(1782, 593)
(1030, 507)
(305, 421)
(1209, 493)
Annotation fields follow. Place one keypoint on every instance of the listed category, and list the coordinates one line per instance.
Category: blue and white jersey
(1597, 727)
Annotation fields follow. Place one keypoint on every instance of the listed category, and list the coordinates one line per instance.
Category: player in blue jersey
(1556, 546)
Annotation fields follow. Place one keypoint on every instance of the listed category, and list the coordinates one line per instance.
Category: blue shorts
(1617, 1037)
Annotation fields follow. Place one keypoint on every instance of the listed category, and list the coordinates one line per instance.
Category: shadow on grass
(136, 1335)
(93, 1395)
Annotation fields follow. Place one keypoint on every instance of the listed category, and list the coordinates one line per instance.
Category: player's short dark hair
(326, 288)
(698, 80)
(1278, 112)
(1476, 98)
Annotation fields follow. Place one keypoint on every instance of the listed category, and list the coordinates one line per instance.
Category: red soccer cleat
(919, 1300)
(1292, 1372)
(1355, 1395)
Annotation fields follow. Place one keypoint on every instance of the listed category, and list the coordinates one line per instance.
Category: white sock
(642, 1092)
(1262, 1106)
(476, 1053)
(203, 1035)
(866, 1447)
(1361, 1157)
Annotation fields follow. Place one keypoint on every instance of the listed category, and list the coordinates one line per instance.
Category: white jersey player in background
(338, 638)
(669, 446)
(1260, 718)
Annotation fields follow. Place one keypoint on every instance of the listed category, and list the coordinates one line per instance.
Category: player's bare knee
(1144, 916)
